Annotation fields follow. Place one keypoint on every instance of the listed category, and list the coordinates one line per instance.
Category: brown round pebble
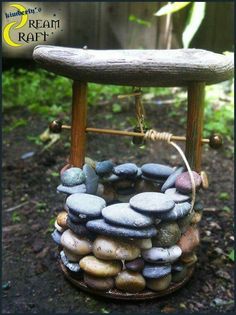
(135, 265)
(98, 283)
(61, 219)
(189, 240)
(189, 259)
(159, 284)
(130, 281)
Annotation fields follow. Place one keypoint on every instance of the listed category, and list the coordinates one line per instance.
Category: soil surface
(32, 280)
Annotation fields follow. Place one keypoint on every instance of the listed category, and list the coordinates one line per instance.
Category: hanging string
(166, 136)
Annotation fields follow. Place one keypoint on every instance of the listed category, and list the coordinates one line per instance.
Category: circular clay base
(118, 295)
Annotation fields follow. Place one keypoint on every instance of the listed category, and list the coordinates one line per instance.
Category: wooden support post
(195, 124)
(78, 124)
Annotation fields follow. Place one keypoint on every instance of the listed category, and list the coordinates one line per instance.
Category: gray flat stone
(123, 214)
(162, 255)
(126, 170)
(71, 190)
(152, 203)
(179, 211)
(102, 227)
(156, 171)
(72, 266)
(91, 179)
(154, 271)
(78, 228)
(104, 167)
(72, 177)
(56, 236)
(156, 181)
(89, 206)
(176, 196)
(75, 218)
(170, 182)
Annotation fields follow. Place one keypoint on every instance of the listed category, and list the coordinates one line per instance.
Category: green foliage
(116, 108)
(15, 124)
(39, 91)
(50, 96)
(15, 217)
(194, 20)
(171, 8)
(224, 196)
(219, 109)
(231, 255)
(133, 18)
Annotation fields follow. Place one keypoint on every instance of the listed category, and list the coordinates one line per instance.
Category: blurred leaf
(224, 196)
(171, 8)
(231, 255)
(196, 16)
(133, 18)
(116, 108)
(226, 208)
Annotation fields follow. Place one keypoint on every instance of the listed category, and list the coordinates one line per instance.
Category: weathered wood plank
(174, 67)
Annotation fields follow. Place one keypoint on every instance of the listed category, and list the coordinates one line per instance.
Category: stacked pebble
(127, 227)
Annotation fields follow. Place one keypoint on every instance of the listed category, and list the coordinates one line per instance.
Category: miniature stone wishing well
(130, 231)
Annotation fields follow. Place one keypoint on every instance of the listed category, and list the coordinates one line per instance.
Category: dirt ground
(32, 281)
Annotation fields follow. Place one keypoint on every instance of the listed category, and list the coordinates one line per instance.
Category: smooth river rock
(185, 221)
(154, 271)
(56, 236)
(107, 192)
(170, 182)
(104, 167)
(91, 179)
(61, 219)
(102, 227)
(159, 284)
(71, 257)
(130, 281)
(98, 283)
(162, 255)
(90, 162)
(123, 214)
(126, 170)
(178, 272)
(189, 240)
(144, 243)
(75, 244)
(108, 248)
(71, 190)
(156, 171)
(135, 265)
(86, 205)
(72, 177)
(152, 203)
(196, 217)
(168, 234)
(179, 211)
(176, 196)
(124, 184)
(58, 227)
(72, 266)
(100, 268)
(75, 219)
(144, 186)
(78, 228)
(183, 182)
(189, 259)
